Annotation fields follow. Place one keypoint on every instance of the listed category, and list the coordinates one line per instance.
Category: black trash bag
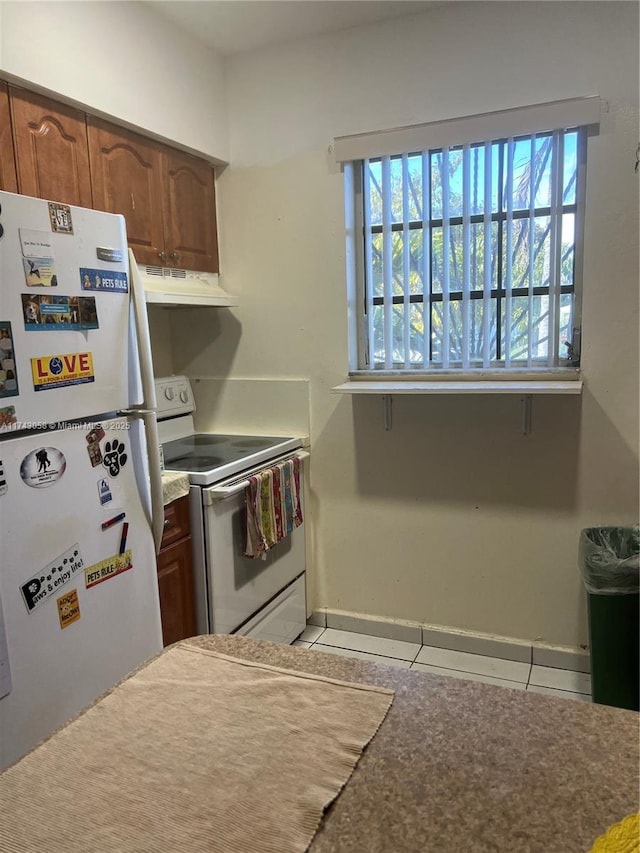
(609, 560)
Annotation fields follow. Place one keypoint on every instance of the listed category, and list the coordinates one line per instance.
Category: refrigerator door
(64, 311)
(78, 587)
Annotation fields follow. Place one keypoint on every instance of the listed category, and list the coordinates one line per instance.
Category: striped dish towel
(272, 500)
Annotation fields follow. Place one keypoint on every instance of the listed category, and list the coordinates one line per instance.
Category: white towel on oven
(273, 506)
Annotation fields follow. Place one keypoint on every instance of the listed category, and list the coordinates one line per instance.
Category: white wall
(122, 60)
(454, 517)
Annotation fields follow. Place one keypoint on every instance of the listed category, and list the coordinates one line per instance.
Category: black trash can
(609, 562)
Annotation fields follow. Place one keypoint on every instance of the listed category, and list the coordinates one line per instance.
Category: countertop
(175, 485)
(465, 767)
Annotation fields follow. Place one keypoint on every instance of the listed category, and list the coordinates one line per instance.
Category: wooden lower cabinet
(175, 575)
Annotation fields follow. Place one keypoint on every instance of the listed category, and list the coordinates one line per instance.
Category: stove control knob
(184, 397)
(168, 393)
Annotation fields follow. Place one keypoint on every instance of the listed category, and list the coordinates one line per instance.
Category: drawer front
(176, 521)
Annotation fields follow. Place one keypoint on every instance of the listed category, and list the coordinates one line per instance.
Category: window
(467, 256)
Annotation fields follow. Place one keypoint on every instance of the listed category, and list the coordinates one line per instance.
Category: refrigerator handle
(148, 407)
(142, 332)
(155, 477)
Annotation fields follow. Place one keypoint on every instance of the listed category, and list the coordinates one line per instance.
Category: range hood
(167, 286)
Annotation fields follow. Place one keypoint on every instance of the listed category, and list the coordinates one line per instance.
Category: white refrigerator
(80, 485)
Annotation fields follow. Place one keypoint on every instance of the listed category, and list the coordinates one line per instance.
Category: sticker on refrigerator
(8, 374)
(36, 244)
(57, 371)
(108, 281)
(3, 480)
(93, 441)
(60, 217)
(40, 272)
(7, 416)
(45, 313)
(43, 467)
(114, 456)
(95, 454)
(47, 582)
(68, 608)
(107, 569)
(104, 491)
(96, 434)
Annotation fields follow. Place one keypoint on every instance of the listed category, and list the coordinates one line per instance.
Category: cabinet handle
(167, 524)
(162, 256)
(175, 256)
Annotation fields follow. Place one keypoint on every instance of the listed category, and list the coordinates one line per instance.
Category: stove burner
(208, 440)
(197, 463)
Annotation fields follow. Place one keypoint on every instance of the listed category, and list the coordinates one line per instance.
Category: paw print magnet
(114, 456)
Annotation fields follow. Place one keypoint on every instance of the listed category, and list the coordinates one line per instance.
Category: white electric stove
(264, 597)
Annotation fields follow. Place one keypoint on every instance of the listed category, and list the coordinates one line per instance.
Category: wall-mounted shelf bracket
(387, 402)
(527, 408)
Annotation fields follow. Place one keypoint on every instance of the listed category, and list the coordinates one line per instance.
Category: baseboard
(507, 648)
(318, 618)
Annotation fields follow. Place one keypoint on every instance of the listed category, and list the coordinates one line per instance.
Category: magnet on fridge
(107, 569)
(111, 521)
(40, 272)
(123, 537)
(3, 481)
(36, 244)
(44, 312)
(8, 375)
(95, 454)
(7, 416)
(60, 217)
(96, 434)
(115, 457)
(43, 585)
(109, 281)
(68, 608)
(43, 467)
(58, 371)
(104, 491)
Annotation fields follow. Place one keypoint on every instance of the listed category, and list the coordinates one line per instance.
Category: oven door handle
(221, 493)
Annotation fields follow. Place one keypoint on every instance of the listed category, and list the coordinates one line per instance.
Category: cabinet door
(52, 154)
(175, 585)
(126, 178)
(189, 212)
(8, 180)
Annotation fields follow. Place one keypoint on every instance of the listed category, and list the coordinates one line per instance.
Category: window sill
(522, 387)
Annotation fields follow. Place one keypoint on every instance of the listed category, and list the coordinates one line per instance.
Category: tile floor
(563, 683)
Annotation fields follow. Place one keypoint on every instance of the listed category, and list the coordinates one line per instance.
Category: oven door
(239, 587)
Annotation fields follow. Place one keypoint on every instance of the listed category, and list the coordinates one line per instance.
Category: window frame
(355, 230)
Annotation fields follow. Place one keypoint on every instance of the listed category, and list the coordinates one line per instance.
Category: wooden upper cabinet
(126, 179)
(189, 212)
(52, 153)
(167, 197)
(8, 179)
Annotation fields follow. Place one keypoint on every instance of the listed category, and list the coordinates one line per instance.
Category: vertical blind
(468, 249)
